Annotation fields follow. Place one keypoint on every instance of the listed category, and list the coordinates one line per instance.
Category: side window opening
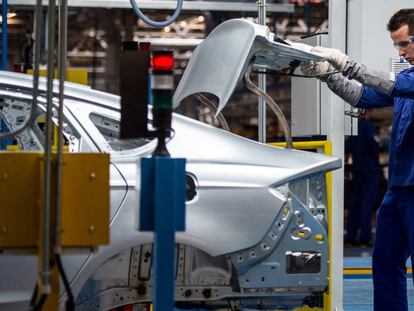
(13, 113)
(109, 128)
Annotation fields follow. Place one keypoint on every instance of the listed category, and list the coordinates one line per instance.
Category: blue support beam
(4, 64)
(162, 210)
(4, 39)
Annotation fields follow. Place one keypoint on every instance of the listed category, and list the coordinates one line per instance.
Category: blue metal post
(167, 199)
(4, 32)
(163, 190)
(162, 210)
(4, 53)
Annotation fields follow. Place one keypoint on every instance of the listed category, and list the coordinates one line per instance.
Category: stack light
(162, 85)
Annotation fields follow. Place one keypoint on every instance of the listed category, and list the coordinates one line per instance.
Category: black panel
(134, 92)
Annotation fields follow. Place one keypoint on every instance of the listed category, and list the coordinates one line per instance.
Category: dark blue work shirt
(401, 161)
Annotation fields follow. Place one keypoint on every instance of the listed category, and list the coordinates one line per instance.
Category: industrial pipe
(262, 81)
(272, 104)
(209, 104)
(45, 265)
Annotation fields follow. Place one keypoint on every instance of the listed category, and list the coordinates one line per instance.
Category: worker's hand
(334, 56)
(316, 69)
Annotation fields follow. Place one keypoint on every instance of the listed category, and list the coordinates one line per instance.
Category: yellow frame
(326, 147)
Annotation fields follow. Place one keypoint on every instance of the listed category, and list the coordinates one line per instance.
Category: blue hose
(154, 23)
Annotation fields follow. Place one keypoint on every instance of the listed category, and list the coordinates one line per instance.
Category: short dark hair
(401, 18)
(411, 25)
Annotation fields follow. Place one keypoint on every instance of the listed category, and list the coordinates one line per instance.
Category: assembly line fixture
(262, 81)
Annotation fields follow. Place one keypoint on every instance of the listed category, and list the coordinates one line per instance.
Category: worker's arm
(356, 94)
(383, 82)
(371, 98)
(350, 91)
(353, 92)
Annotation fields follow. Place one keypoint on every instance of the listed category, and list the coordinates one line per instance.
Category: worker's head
(401, 29)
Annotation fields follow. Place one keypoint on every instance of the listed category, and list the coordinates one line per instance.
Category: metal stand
(336, 134)
(162, 210)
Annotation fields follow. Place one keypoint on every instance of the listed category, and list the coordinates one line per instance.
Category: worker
(363, 149)
(366, 88)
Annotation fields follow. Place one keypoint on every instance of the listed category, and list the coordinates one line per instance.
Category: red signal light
(163, 62)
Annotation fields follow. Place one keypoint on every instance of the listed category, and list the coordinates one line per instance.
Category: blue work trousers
(394, 243)
(364, 202)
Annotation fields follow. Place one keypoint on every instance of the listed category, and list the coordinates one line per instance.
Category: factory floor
(358, 290)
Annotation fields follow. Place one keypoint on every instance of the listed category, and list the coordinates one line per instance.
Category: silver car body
(256, 224)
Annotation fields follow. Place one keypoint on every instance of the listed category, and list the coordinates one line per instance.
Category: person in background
(364, 152)
(363, 87)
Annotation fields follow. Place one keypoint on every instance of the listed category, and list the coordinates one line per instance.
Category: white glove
(317, 69)
(334, 56)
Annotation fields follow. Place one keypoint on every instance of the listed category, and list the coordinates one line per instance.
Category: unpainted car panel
(244, 214)
(220, 61)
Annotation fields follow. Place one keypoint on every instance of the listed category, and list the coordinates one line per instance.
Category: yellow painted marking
(12, 147)
(319, 237)
(301, 234)
(356, 271)
(72, 75)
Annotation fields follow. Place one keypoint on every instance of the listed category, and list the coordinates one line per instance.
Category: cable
(70, 303)
(62, 58)
(34, 296)
(319, 31)
(272, 104)
(280, 73)
(40, 303)
(154, 23)
(204, 100)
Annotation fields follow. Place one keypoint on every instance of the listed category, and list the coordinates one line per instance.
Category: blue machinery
(4, 32)
(162, 210)
(4, 52)
(162, 201)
